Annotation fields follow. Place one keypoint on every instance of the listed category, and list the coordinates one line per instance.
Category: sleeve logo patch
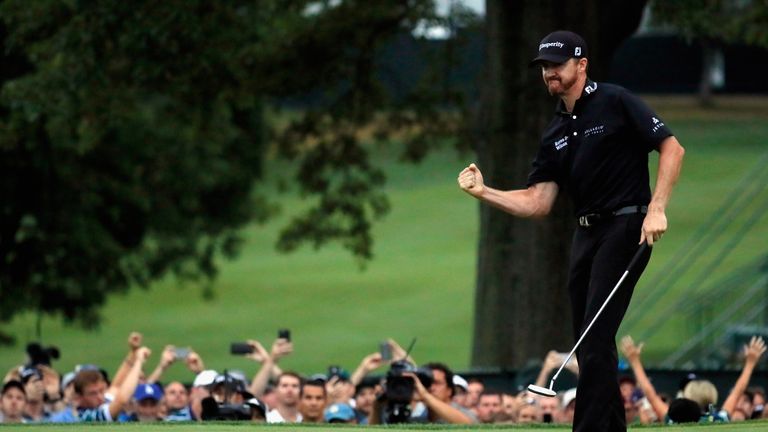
(657, 124)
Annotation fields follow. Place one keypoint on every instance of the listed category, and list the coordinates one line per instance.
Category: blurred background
(209, 172)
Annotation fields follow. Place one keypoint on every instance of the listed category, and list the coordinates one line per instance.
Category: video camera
(225, 409)
(213, 410)
(38, 355)
(399, 389)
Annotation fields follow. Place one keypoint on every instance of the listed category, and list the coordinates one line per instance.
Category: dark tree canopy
(132, 136)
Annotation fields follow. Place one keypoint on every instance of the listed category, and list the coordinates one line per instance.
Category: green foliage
(132, 134)
(732, 21)
(129, 149)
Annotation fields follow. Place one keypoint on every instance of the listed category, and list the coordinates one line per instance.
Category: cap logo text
(577, 51)
(550, 44)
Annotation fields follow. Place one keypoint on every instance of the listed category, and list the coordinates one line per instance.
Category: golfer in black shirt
(596, 150)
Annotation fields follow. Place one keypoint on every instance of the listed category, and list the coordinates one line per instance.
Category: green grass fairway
(227, 427)
(421, 281)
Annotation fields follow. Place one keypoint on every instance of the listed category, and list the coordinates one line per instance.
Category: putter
(548, 392)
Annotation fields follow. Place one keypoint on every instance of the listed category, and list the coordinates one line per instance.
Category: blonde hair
(702, 392)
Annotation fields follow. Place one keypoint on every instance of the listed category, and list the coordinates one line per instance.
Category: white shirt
(274, 416)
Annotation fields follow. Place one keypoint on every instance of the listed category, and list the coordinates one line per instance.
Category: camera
(181, 353)
(399, 390)
(213, 410)
(39, 355)
(221, 405)
(240, 348)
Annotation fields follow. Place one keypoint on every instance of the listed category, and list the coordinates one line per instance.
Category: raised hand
(629, 349)
(281, 348)
(259, 353)
(471, 180)
(194, 362)
(168, 356)
(552, 361)
(754, 349)
(134, 341)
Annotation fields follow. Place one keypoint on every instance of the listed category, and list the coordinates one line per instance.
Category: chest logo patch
(596, 130)
(562, 142)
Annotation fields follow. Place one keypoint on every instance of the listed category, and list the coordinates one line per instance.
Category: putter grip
(637, 256)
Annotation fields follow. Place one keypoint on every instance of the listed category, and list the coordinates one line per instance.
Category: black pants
(600, 255)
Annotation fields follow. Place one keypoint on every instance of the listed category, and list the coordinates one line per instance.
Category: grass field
(420, 283)
(227, 427)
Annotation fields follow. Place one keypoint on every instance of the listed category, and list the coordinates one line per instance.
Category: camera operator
(438, 407)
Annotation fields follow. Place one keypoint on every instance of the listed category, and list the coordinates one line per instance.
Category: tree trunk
(522, 309)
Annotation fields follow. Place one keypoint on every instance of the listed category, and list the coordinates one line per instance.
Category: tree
(521, 302)
(711, 24)
(132, 135)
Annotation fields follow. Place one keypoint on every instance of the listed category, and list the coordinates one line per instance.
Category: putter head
(542, 391)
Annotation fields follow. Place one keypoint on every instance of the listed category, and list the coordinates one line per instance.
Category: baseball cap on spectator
(459, 381)
(568, 397)
(13, 384)
(318, 377)
(258, 404)
(27, 372)
(205, 378)
(560, 46)
(148, 391)
(67, 379)
(234, 383)
(339, 412)
(341, 373)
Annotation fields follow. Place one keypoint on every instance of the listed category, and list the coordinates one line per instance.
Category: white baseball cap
(205, 378)
(459, 381)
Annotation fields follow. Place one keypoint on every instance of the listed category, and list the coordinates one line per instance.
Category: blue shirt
(72, 415)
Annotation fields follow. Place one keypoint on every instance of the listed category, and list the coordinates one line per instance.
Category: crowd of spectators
(387, 388)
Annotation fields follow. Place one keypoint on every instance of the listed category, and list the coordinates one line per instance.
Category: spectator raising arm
(632, 353)
(166, 360)
(194, 362)
(752, 353)
(369, 363)
(398, 353)
(553, 361)
(131, 380)
(134, 342)
(280, 348)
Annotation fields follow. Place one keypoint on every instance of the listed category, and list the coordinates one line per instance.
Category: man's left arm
(670, 161)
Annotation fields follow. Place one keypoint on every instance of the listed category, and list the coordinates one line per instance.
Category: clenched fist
(471, 180)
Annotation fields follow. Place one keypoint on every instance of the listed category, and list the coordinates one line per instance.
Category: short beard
(565, 86)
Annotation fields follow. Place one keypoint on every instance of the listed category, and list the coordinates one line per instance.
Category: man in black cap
(596, 149)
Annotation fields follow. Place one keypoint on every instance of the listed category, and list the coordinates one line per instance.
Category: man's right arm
(536, 201)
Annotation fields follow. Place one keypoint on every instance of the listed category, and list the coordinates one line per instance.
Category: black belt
(591, 219)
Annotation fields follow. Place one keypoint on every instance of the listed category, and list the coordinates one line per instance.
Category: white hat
(205, 378)
(67, 379)
(568, 397)
(458, 381)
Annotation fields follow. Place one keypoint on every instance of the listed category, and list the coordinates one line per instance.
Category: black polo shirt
(598, 153)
